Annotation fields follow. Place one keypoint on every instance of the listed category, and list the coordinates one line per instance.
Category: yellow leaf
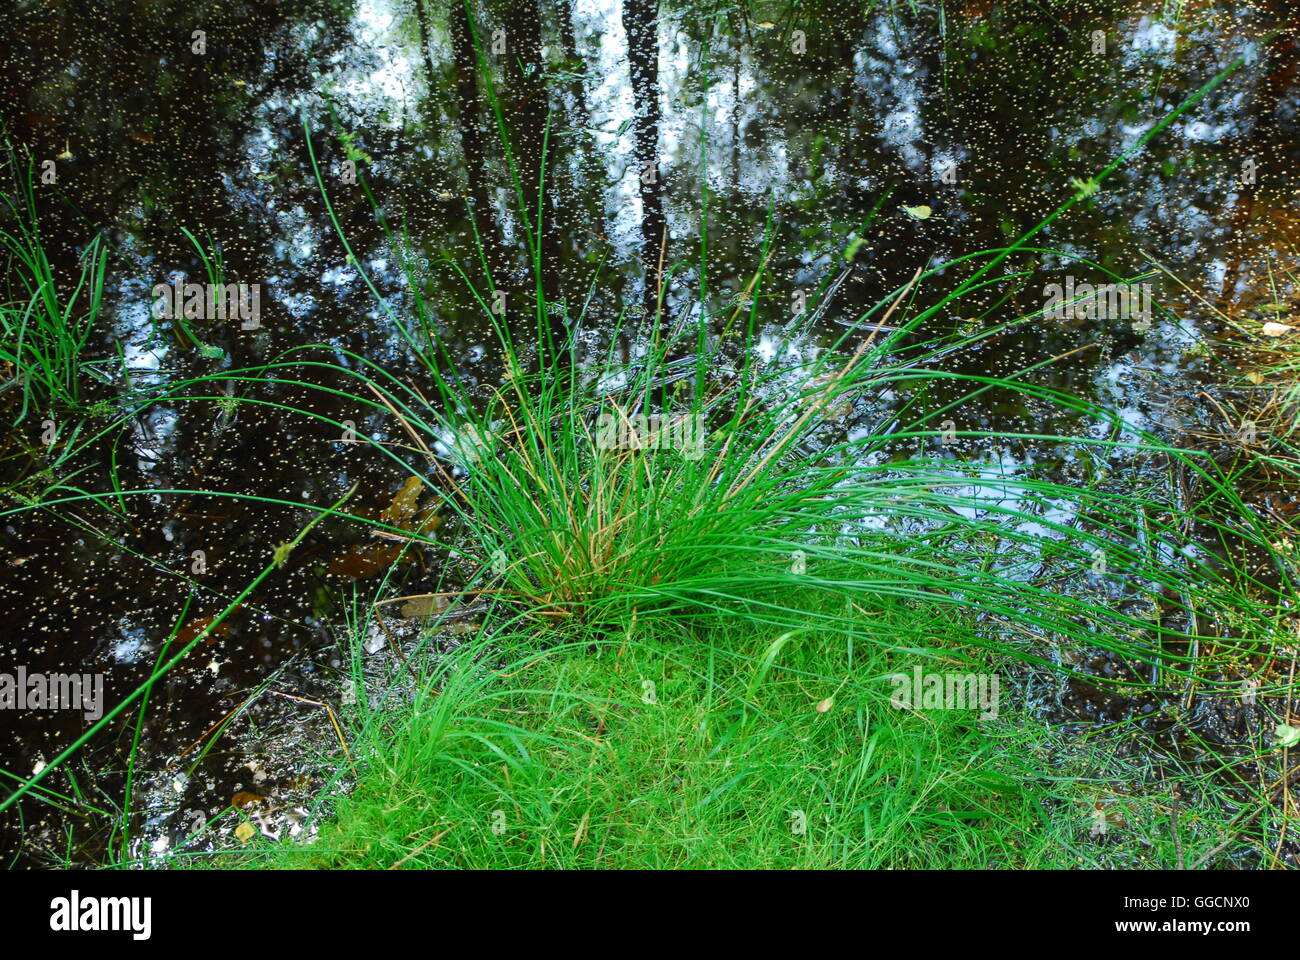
(405, 504)
(425, 606)
(245, 832)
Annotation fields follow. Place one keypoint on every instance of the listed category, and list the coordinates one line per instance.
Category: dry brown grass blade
(433, 842)
(338, 731)
(420, 444)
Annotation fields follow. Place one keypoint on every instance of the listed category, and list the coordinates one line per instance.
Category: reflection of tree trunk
(589, 155)
(735, 122)
(641, 24)
(471, 140)
(564, 17)
(422, 19)
(1259, 141)
(527, 108)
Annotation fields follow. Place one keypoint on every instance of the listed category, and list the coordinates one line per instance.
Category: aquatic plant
(699, 478)
(44, 326)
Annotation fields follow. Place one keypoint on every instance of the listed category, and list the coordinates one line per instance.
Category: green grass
(705, 748)
(693, 750)
(44, 325)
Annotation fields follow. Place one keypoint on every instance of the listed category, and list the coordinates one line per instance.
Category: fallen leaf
(243, 798)
(1287, 736)
(425, 606)
(192, 629)
(920, 212)
(428, 520)
(361, 561)
(825, 705)
(245, 832)
(1273, 329)
(404, 505)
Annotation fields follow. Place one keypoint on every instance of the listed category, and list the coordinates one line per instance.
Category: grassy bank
(722, 747)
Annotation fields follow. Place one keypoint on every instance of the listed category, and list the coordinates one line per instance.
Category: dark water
(693, 127)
